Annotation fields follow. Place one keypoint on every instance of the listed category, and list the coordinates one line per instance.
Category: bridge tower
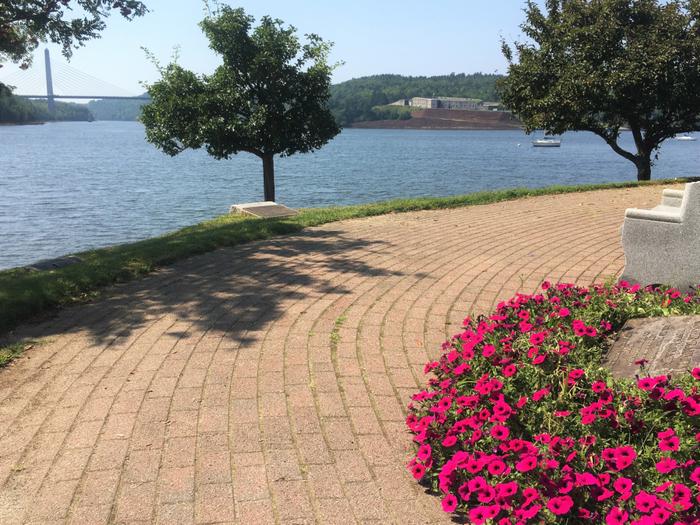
(49, 82)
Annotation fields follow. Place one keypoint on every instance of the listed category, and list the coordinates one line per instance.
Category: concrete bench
(662, 245)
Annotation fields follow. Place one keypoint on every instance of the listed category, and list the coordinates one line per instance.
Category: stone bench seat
(672, 195)
(660, 213)
(662, 245)
(671, 201)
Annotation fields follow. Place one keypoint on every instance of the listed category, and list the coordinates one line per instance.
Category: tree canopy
(604, 65)
(269, 96)
(24, 24)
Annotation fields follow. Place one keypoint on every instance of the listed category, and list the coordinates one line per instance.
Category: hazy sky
(371, 36)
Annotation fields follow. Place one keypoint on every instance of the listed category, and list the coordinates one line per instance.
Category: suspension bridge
(63, 82)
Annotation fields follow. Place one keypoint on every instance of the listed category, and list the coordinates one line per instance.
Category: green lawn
(24, 294)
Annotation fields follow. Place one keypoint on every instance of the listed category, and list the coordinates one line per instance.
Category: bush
(520, 423)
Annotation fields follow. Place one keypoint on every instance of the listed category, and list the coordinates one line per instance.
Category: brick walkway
(267, 383)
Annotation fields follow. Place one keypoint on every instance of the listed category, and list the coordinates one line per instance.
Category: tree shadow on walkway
(239, 290)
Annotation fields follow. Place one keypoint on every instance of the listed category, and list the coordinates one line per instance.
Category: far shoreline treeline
(352, 101)
(18, 110)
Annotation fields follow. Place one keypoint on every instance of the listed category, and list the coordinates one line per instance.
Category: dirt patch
(447, 119)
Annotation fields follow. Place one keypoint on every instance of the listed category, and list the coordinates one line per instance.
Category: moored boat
(685, 137)
(546, 143)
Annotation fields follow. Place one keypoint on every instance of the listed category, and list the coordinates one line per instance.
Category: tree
(603, 65)
(24, 24)
(270, 95)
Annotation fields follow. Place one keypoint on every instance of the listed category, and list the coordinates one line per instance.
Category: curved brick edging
(267, 383)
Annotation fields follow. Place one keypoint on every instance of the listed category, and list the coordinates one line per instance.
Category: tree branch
(612, 142)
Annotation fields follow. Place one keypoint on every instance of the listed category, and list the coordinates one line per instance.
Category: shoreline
(30, 123)
(359, 125)
(447, 119)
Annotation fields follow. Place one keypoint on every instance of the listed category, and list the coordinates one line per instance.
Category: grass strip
(9, 352)
(25, 293)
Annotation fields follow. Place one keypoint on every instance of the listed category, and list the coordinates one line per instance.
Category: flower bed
(520, 423)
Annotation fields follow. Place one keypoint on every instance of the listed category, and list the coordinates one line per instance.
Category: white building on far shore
(445, 103)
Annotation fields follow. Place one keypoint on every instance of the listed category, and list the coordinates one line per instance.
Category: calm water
(67, 187)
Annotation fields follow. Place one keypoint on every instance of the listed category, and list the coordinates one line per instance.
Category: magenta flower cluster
(521, 423)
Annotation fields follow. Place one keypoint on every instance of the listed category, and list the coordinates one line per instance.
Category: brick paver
(268, 383)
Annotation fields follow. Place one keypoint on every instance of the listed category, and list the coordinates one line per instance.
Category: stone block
(263, 210)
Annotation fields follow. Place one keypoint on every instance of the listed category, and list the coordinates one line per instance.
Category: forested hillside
(353, 100)
(17, 110)
(116, 109)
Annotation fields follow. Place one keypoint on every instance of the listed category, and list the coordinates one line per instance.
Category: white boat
(546, 143)
(685, 136)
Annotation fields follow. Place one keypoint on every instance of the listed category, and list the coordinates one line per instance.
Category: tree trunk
(643, 163)
(269, 176)
(643, 157)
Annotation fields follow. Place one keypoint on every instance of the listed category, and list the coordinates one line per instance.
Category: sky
(408, 37)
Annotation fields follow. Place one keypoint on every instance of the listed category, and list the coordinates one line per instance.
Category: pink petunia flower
(424, 452)
(418, 471)
(509, 370)
(449, 441)
(659, 515)
(488, 350)
(681, 494)
(541, 393)
(560, 505)
(500, 432)
(695, 476)
(537, 338)
(496, 467)
(616, 516)
(506, 490)
(526, 464)
(464, 492)
(576, 373)
(666, 465)
(623, 486)
(478, 515)
(443, 405)
(624, 457)
(668, 441)
(644, 502)
(646, 384)
(486, 495)
(449, 503)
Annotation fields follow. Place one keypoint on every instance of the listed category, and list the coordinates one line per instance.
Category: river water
(67, 187)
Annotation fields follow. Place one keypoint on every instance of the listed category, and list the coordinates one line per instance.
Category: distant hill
(353, 101)
(116, 109)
